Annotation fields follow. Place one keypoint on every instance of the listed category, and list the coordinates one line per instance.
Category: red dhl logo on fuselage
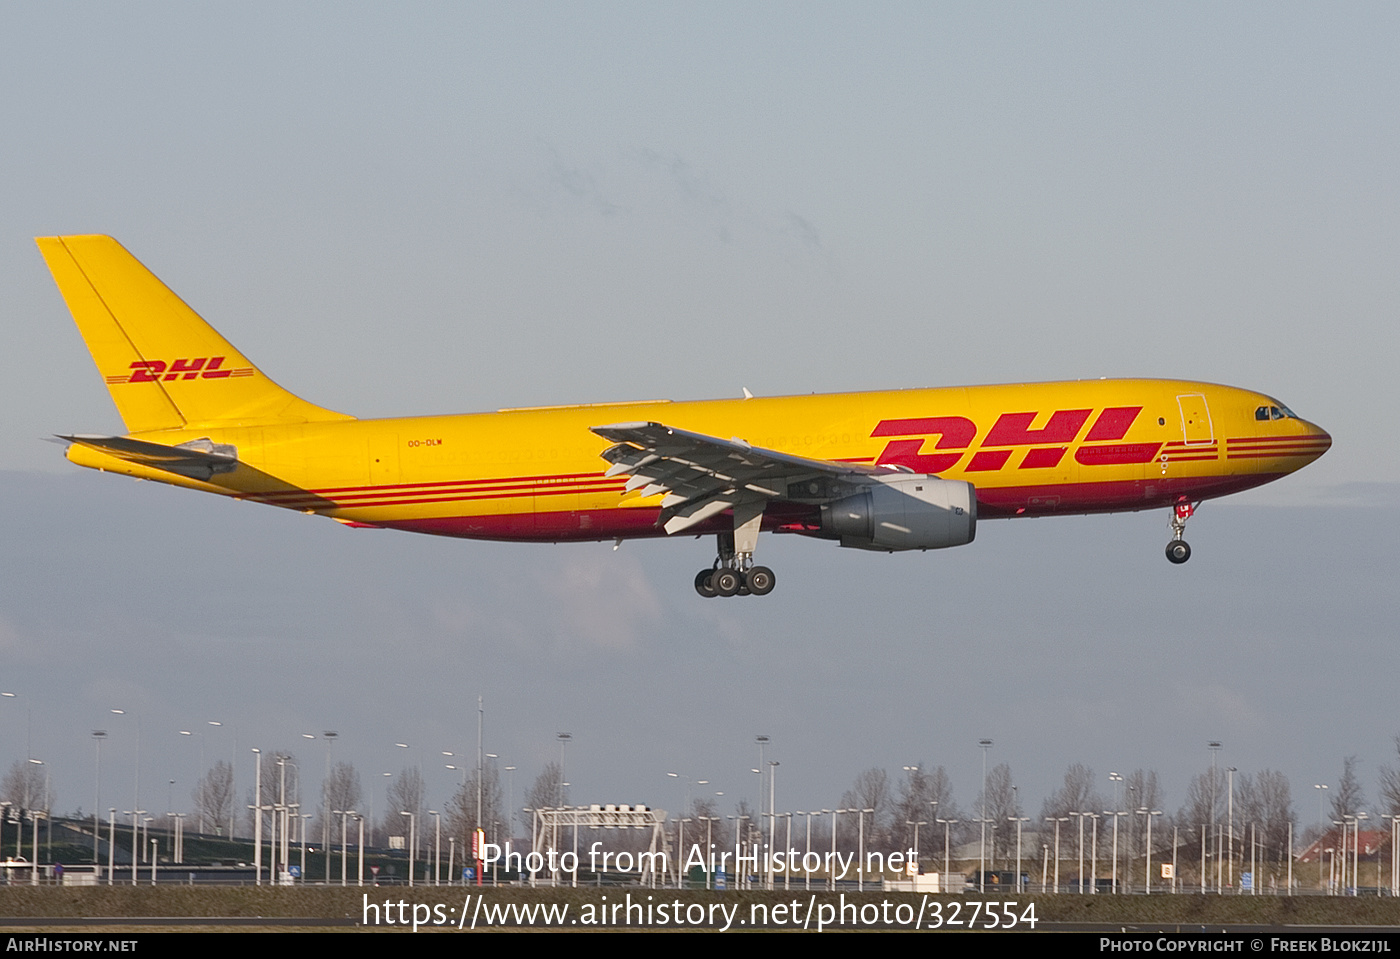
(1048, 444)
(201, 367)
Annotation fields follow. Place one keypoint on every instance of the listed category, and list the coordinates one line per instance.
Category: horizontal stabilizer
(197, 459)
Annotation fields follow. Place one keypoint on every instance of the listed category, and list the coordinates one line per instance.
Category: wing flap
(702, 476)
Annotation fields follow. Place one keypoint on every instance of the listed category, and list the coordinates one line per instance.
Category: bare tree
(547, 792)
(1390, 785)
(871, 790)
(25, 786)
(1347, 798)
(1000, 803)
(911, 806)
(706, 820)
(940, 787)
(1205, 805)
(213, 797)
(406, 794)
(1266, 803)
(1147, 794)
(462, 816)
(1076, 795)
(342, 792)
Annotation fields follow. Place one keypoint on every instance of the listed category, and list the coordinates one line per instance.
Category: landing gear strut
(1178, 550)
(733, 572)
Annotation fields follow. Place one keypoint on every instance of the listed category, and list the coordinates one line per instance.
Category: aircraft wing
(705, 475)
(197, 459)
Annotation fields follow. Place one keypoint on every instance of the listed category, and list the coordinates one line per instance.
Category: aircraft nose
(1317, 440)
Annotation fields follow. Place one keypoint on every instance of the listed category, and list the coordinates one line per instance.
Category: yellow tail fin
(165, 367)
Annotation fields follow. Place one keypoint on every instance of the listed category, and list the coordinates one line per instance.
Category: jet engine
(904, 511)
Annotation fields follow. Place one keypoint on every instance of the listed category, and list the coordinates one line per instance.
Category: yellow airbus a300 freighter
(898, 470)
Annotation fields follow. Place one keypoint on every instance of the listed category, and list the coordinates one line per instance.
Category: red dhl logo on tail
(1048, 444)
(201, 367)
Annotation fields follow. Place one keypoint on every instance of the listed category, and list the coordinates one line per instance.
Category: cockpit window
(1274, 413)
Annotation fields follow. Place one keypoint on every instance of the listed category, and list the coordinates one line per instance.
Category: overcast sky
(457, 207)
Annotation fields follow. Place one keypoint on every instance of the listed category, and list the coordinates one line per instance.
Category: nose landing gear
(1178, 550)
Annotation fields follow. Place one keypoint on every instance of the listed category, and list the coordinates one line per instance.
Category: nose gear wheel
(1178, 550)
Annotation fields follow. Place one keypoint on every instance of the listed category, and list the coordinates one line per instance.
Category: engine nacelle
(904, 511)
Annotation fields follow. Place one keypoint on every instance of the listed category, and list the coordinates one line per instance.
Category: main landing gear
(726, 581)
(1178, 551)
(733, 573)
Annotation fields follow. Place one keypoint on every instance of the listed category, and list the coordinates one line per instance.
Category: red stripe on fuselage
(633, 522)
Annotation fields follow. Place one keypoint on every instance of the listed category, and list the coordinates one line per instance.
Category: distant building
(1368, 845)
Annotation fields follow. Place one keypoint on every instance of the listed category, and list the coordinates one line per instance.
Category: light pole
(1214, 746)
(1394, 871)
(564, 740)
(480, 761)
(772, 821)
(257, 817)
(111, 845)
(330, 736)
(343, 814)
(412, 841)
(709, 850)
(97, 736)
(1230, 849)
(1079, 851)
(1057, 820)
(984, 745)
(1018, 820)
(233, 774)
(1147, 870)
(787, 858)
(807, 873)
(136, 787)
(305, 821)
(947, 850)
(1355, 853)
(1253, 863)
(1094, 858)
(510, 798)
(136, 815)
(835, 821)
(761, 741)
(34, 816)
(932, 812)
(860, 871)
(283, 812)
(437, 846)
(192, 734)
(1116, 815)
(741, 839)
(916, 823)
